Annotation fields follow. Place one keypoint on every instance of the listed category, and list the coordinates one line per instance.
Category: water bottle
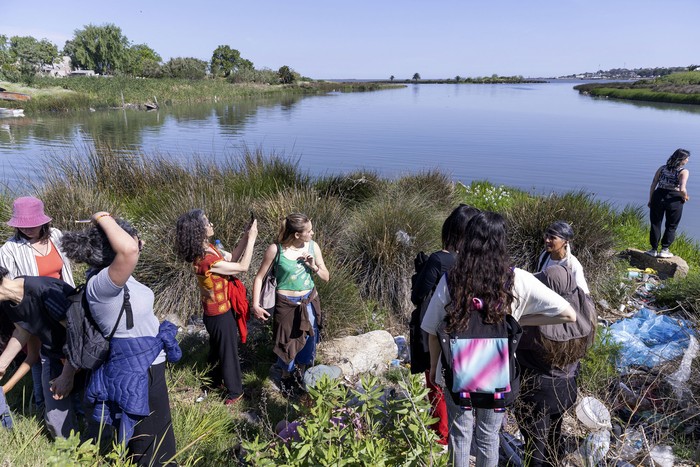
(219, 246)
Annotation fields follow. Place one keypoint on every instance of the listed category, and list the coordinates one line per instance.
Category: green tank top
(293, 274)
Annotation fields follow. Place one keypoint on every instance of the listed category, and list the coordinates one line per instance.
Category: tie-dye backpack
(479, 362)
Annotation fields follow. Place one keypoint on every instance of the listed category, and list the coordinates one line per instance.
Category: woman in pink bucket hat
(33, 250)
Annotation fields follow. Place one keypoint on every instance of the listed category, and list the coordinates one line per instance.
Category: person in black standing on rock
(667, 195)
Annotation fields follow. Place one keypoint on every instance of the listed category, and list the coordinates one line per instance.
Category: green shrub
(381, 240)
(598, 367)
(487, 197)
(355, 427)
(352, 188)
(684, 292)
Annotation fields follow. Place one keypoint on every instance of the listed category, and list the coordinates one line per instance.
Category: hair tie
(477, 303)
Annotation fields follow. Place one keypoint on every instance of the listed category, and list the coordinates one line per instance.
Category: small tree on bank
(100, 48)
(416, 76)
(287, 75)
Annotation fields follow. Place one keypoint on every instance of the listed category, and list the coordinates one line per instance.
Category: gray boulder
(666, 267)
(371, 352)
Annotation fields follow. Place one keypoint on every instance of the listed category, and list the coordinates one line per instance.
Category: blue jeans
(307, 354)
(461, 427)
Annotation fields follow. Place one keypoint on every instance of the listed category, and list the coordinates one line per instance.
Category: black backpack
(487, 374)
(86, 347)
(419, 351)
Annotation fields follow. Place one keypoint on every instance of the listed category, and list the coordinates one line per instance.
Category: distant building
(64, 68)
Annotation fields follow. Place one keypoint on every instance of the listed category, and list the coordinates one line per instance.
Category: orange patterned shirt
(212, 286)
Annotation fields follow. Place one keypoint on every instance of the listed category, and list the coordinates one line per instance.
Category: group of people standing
(128, 391)
(474, 265)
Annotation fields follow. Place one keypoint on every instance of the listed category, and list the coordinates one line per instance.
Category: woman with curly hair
(215, 269)
(298, 318)
(483, 273)
(667, 195)
(129, 389)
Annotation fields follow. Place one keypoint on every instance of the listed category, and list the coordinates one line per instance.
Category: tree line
(107, 51)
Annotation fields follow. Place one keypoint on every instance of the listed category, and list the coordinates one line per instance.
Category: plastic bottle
(219, 246)
(595, 447)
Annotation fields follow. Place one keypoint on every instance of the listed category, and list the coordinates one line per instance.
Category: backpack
(85, 346)
(479, 362)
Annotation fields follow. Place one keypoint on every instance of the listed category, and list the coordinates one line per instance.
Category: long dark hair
(91, 246)
(482, 271)
(44, 233)
(454, 226)
(190, 233)
(678, 156)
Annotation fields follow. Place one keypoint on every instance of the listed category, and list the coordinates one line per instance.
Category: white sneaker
(665, 253)
(652, 253)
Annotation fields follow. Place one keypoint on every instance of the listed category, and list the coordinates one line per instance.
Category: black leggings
(153, 442)
(223, 352)
(667, 203)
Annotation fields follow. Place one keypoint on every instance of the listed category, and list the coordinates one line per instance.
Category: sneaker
(665, 253)
(232, 400)
(652, 253)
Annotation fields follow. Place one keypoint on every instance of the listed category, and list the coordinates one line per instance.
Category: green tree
(186, 68)
(287, 75)
(31, 55)
(458, 78)
(416, 76)
(101, 48)
(225, 61)
(142, 61)
(391, 78)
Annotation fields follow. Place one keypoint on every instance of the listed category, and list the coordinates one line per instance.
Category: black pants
(153, 442)
(667, 203)
(223, 352)
(540, 411)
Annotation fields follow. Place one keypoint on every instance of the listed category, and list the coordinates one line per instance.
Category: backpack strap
(126, 306)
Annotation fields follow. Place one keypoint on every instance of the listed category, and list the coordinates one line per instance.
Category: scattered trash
(632, 444)
(403, 238)
(403, 353)
(593, 414)
(595, 447)
(679, 378)
(315, 373)
(662, 456)
(649, 339)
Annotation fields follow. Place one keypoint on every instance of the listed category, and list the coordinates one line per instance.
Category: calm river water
(539, 137)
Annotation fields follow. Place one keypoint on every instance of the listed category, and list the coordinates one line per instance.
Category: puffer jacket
(120, 385)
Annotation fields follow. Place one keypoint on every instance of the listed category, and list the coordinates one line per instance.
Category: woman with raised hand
(557, 244)
(215, 270)
(483, 288)
(34, 250)
(298, 317)
(424, 283)
(667, 195)
(129, 390)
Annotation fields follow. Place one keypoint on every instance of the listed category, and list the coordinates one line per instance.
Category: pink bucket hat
(28, 212)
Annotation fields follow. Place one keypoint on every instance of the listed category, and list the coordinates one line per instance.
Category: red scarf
(239, 305)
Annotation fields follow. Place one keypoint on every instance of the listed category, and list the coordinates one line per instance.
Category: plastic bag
(595, 447)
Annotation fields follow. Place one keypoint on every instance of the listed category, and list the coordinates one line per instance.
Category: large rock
(371, 352)
(666, 267)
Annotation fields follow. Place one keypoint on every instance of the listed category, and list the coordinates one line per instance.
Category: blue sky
(375, 39)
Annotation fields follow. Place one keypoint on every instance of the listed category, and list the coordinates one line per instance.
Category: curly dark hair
(454, 226)
(678, 156)
(482, 270)
(44, 233)
(190, 233)
(91, 246)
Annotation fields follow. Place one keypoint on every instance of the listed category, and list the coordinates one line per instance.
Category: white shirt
(532, 297)
(576, 269)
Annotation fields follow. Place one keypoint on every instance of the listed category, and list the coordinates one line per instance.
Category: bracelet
(101, 216)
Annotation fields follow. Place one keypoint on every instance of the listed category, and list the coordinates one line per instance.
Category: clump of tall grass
(593, 242)
(435, 187)
(352, 188)
(485, 196)
(381, 241)
(684, 292)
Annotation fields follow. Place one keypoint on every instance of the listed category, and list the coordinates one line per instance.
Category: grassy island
(83, 93)
(677, 88)
(371, 229)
